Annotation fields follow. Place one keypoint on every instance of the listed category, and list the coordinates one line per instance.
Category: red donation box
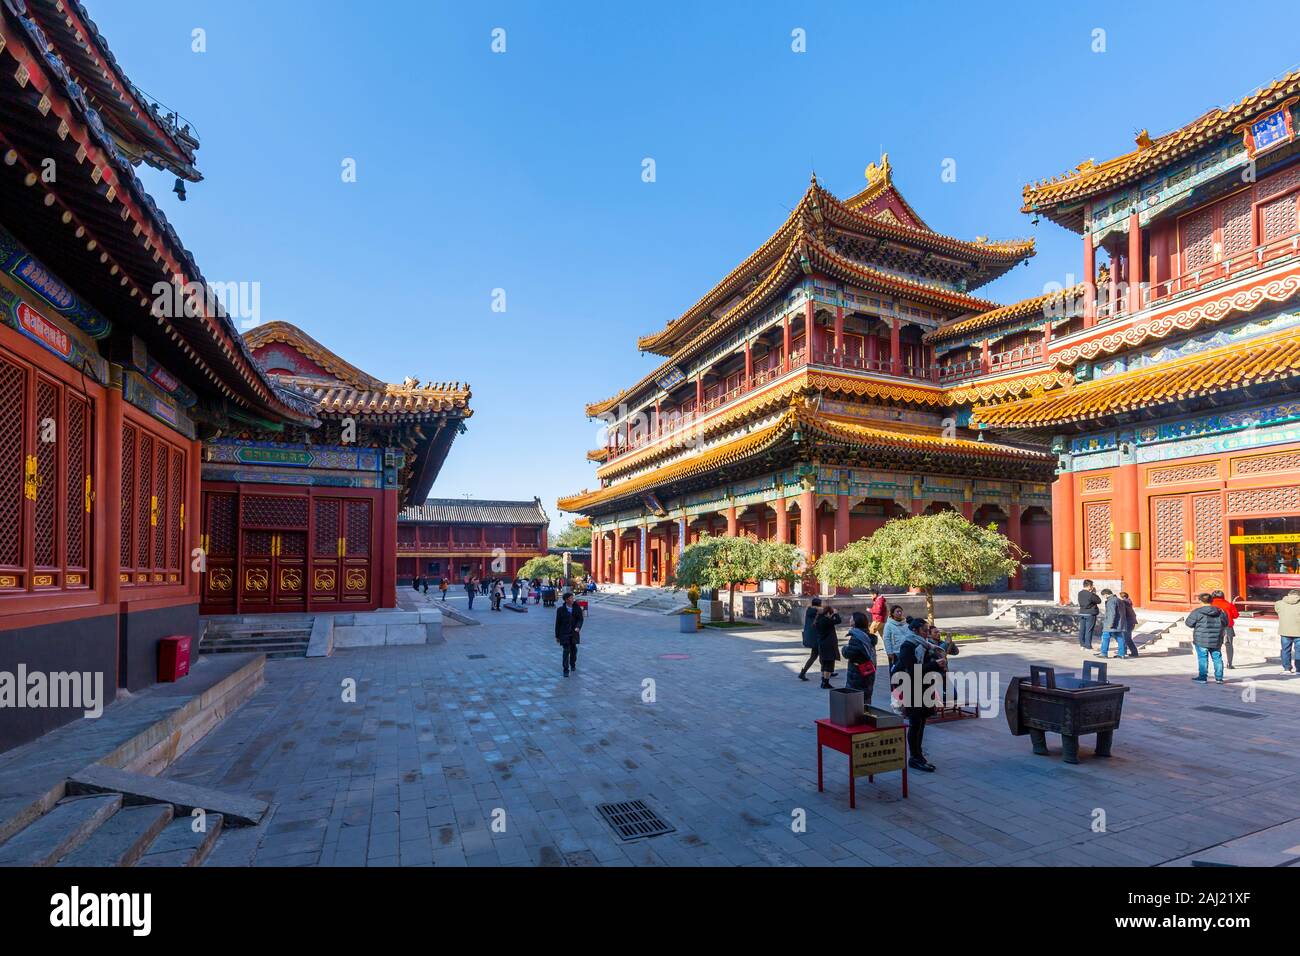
(173, 658)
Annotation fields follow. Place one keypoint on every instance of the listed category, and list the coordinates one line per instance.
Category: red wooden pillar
(643, 556)
(1125, 518)
(659, 426)
(918, 506)
(108, 499)
(1134, 269)
(596, 539)
(699, 392)
(984, 356)
(749, 363)
(1013, 533)
(810, 330)
(1063, 531)
(841, 521)
(1112, 290)
(388, 549)
(191, 534)
(839, 330)
(873, 351)
(731, 519)
(808, 533)
(895, 354)
(785, 342)
(782, 535)
(1089, 280)
(618, 556)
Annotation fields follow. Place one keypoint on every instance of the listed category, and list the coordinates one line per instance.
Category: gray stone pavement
(442, 737)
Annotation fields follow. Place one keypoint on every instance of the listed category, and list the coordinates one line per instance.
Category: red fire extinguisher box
(173, 658)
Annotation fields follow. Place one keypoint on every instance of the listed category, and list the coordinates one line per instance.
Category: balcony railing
(683, 417)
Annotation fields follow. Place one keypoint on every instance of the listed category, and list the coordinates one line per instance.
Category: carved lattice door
(1187, 554)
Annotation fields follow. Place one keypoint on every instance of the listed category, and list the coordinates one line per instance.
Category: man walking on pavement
(568, 624)
(1288, 626)
(1089, 604)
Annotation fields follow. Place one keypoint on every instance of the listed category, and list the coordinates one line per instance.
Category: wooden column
(808, 533)
(841, 521)
(699, 391)
(731, 519)
(785, 342)
(782, 535)
(749, 363)
(873, 350)
(839, 330)
(643, 556)
(388, 549)
(1125, 517)
(895, 354)
(1089, 280)
(985, 363)
(1013, 534)
(1134, 269)
(108, 499)
(192, 533)
(1063, 531)
(810, 330)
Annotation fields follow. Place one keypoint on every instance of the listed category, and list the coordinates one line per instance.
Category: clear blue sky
(522, 170)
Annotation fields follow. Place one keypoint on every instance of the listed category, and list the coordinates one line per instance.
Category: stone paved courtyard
(442, 736)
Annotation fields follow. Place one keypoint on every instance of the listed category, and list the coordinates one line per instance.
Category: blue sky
(522, 170)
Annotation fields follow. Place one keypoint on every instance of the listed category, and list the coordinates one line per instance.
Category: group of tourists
(1213, 625)
(913, 647)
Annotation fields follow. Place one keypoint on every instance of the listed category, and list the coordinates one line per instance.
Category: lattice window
(49, 426)
(1096, 522)
(1170, 536)
(1279, 182)
(221, 526)
(77, 468)
(128, 495)
(1198, 240)
(1278, 219)
(153, 489)
(46, 437)
(358, 529)
(1237, 219)
(1207, 522)
(13, 442)
(1194, 472)
(275, 511)
(1265, 500)
(1263, 464)
(327, 527)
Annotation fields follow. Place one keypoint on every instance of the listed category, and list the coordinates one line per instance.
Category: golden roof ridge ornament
(879, 173)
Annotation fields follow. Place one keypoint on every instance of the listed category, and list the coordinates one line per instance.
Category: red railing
(684, 417)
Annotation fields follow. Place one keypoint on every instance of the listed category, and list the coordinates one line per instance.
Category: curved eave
(1026, 308)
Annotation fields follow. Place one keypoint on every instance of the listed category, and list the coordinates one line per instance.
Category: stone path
(444, 739)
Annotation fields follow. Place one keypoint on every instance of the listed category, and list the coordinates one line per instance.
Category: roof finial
(879, 173)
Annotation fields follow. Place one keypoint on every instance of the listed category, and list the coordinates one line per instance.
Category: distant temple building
(801, 398)
(305, 518)
(1176, 421)
(459, 538)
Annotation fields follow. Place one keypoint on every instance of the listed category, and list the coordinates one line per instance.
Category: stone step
(179, 845)
(279, 633)
(139, 788)
(57, 833)
(123, 838)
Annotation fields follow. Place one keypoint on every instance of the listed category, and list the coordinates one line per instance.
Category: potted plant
(692, 612)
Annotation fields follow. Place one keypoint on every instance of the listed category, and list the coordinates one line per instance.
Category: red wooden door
(220, 538)
(1187, 554)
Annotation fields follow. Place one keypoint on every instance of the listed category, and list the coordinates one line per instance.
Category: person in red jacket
(878, 613)
(1227, 607)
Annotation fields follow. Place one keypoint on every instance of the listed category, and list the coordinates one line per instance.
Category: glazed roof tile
(1235, 366)
(474, 511)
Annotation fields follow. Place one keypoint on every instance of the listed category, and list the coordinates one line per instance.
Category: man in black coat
(1089, 606)
(568, 624)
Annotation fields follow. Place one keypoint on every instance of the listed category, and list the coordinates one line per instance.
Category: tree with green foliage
(550, 567)
(923, 552)
(574, 536)
(728, 562)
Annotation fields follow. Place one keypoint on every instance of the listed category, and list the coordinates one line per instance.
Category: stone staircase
(640, 598)
(114, 818)
(275, 635)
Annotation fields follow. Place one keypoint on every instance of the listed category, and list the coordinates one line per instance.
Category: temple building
(305, 517)
(801, 398)
(1175, 413)
(460, 538)
(126, 412)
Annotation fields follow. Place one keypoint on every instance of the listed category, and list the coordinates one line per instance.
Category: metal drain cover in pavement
(1229, 712)
(478, 657)
(633, 820)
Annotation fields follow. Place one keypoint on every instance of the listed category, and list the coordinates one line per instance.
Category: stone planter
(689, 620)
